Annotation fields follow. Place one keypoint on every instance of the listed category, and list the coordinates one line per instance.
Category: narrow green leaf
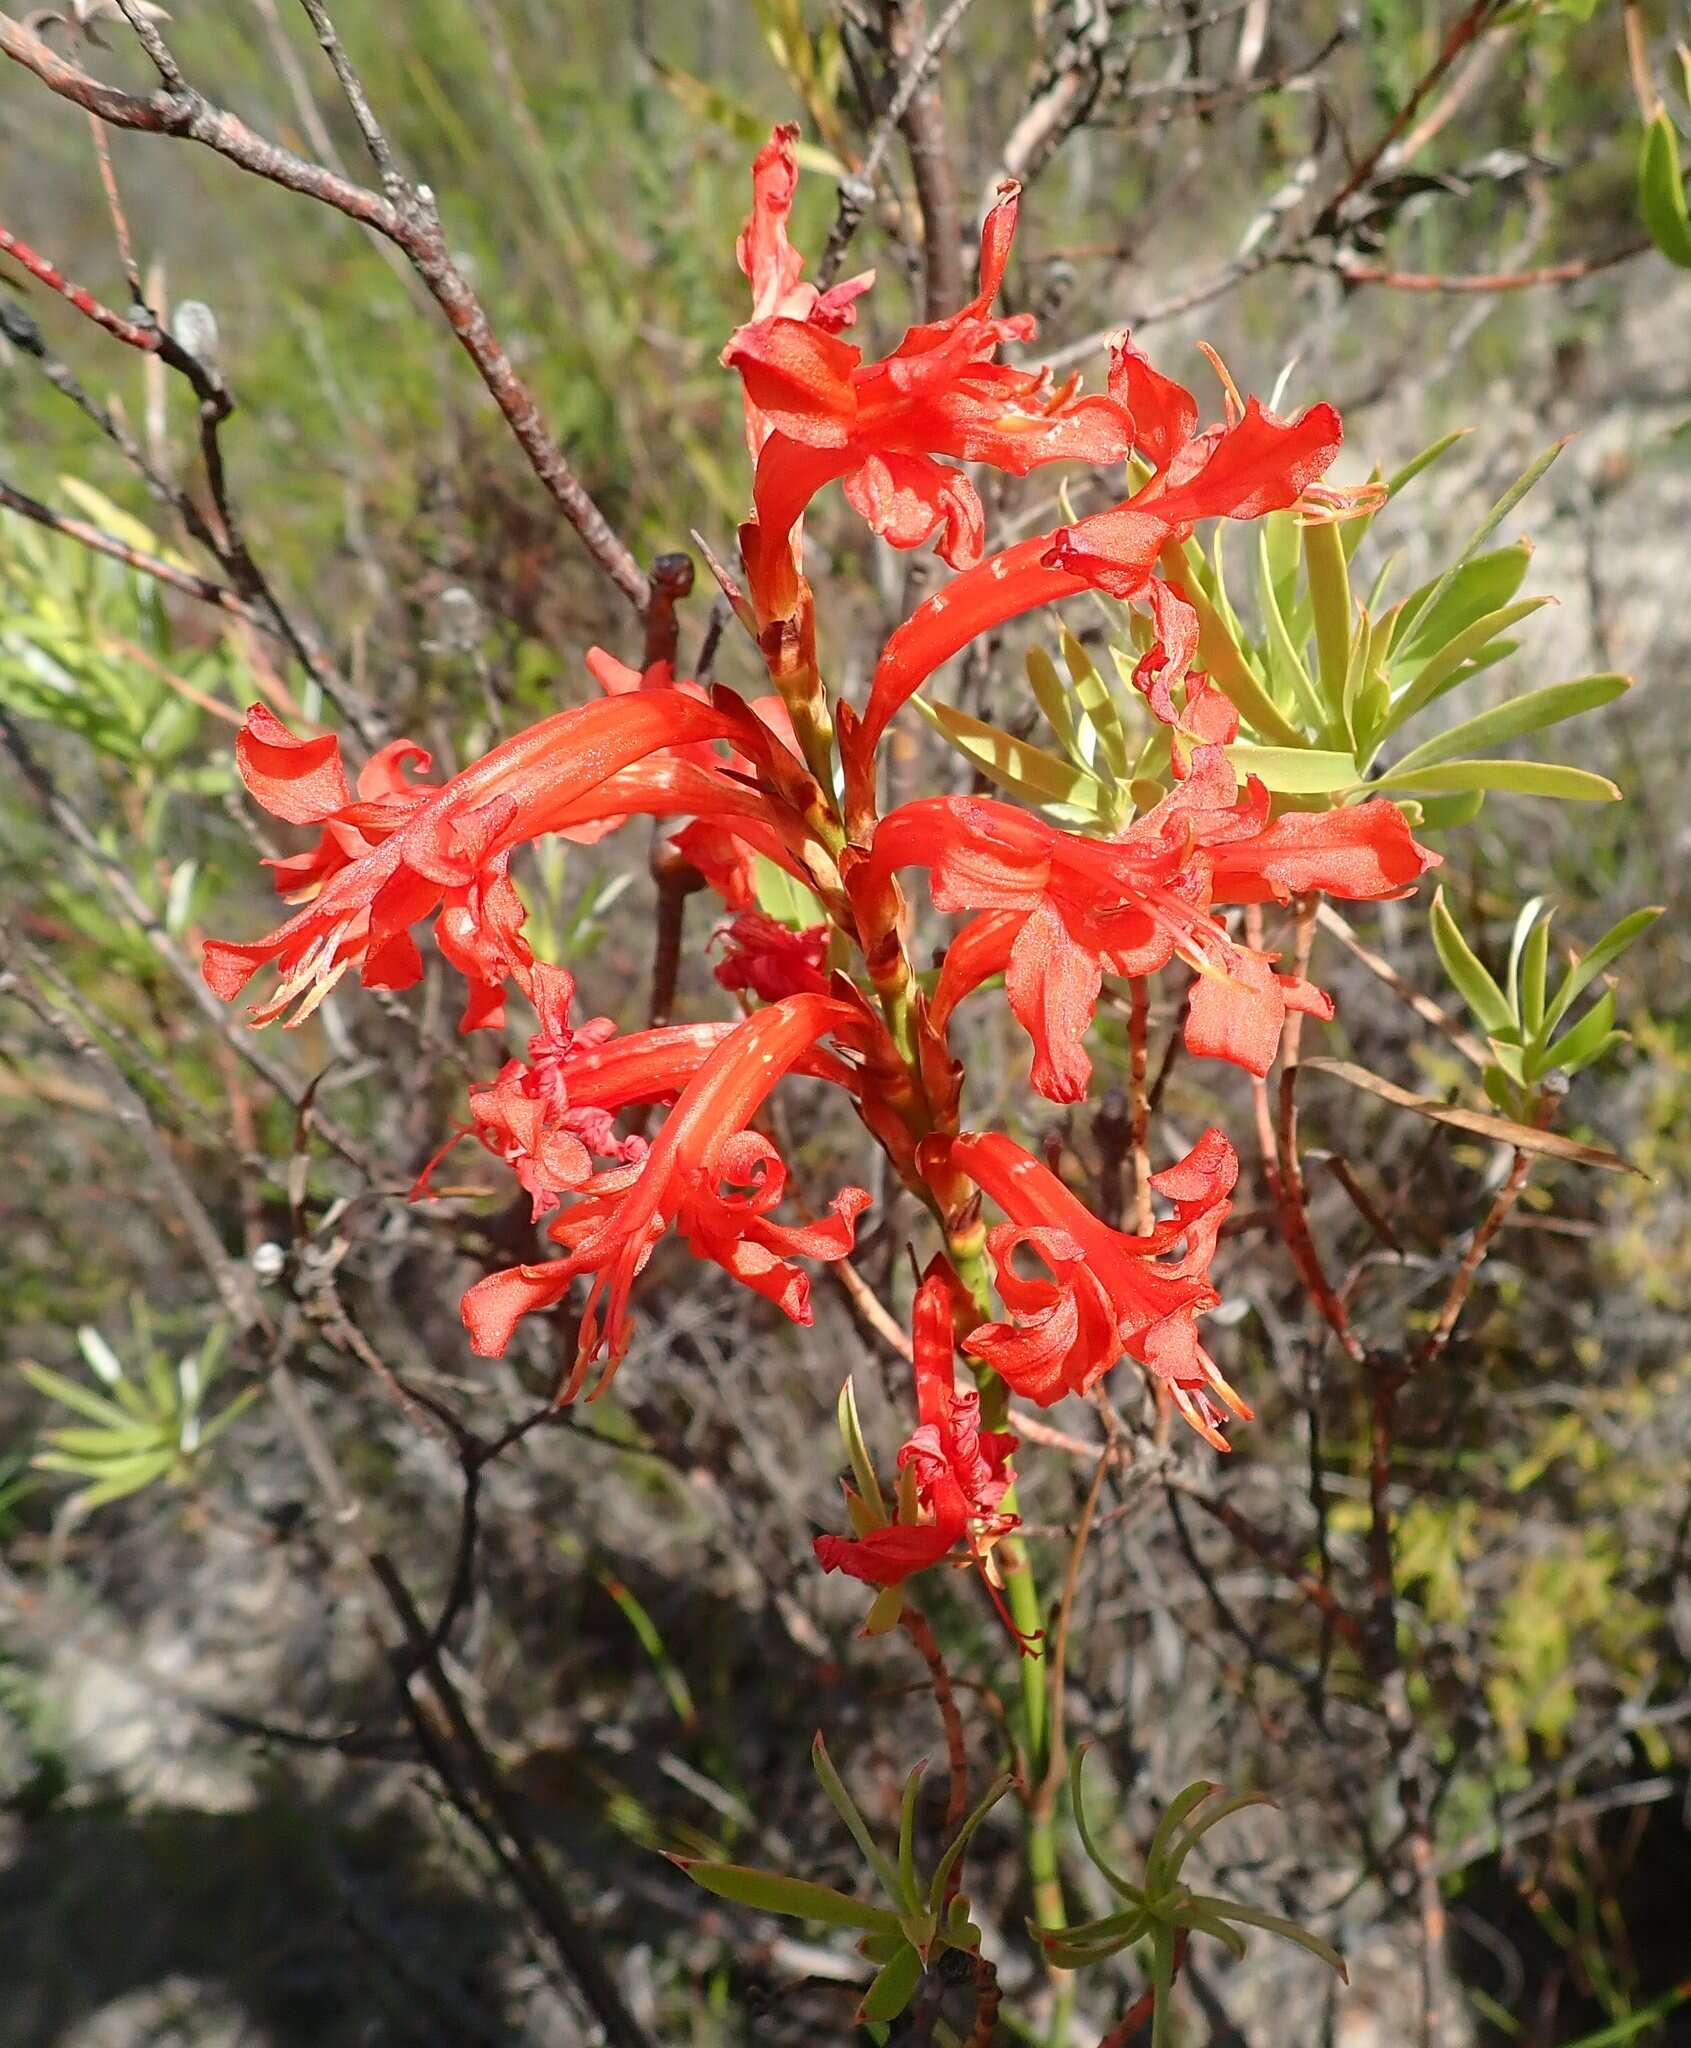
(1284, 659)
(857, 1451)
(1535, 959)
(1218, 653)
(797, 1897)
(1442, 669)
(1661, 191)
(1173, 1815)
(1425, 460)
(1017, 765)
(1468, 973)
(710, 103)
(120, 1484)
(1100, 1862)
(961, 1840)
(1486, 528)
(1273, 1923)
(844, 1805)
(97, 1443)
(1489, 581)
(1443, 813)
(907, 1834)
(72, 1394)
(1518, 778)
(1586, 969)
(1513, 719)
(894, 1984)
(1578, 1047)
(1052, 698)
(1100, 717)
(1329, 597)
(1525, 919)
(1296, 771)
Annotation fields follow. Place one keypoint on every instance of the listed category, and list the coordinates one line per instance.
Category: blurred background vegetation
(213, 1823)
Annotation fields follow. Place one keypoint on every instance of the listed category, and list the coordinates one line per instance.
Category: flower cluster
(789, 785)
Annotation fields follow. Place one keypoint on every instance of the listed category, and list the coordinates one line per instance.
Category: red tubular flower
(1256, 463)
(384, 864)
(771, 960)
(702, 1150)
(1058, 908)
(775, 268)
(1107, 1293)
(826, 415)
(961, 1470)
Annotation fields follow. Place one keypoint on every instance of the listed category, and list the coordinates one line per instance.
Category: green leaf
(961, 1840)
(1296, 771)
(1535, 959)
(1468, 973)
(1525, 920)
(99, 1442)
(735, 119)
(120, 1482)
(72, 1394)
(1218, 653)
(1100, 725)
(1577, 1048)
(1285, 662)
(1661, 191)
(1101, 1863)
(1512, 720)
(857, 1451)
(1518, 778)
(1273, 1923)
(784, 897)
(1480, 535)
(1329, 597)
(1443, 813)
(1052, 698)
(844, 1805)
(1442, 669)
(1425, 460)
(771, 1892)
(1610, 946)
(894, 1984)
(1025, 770)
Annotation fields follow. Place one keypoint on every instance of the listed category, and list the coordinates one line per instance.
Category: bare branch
(412, 224)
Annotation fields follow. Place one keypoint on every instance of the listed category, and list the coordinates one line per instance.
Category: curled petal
(1053, 986)
(1363, 853)
(301, 781)
(904, 498)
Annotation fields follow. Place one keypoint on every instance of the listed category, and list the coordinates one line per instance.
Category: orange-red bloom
(770, 959)
(1255, 463)
(823, 413)
(1107, 1293)
(404, 851)
(1057, 908)
(706, 1175)
(961, 1470)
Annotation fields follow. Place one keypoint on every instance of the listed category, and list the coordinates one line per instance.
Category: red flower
(880, 426)
(531, 1116)
(1059, 907)
(702, 1150)
(772, 960)
(384, 864)
(775, 268)
(1107, 1292)
(961, 1471)
(1256, 463)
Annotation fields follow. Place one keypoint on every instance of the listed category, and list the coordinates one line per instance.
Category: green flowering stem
(1039, 1786)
